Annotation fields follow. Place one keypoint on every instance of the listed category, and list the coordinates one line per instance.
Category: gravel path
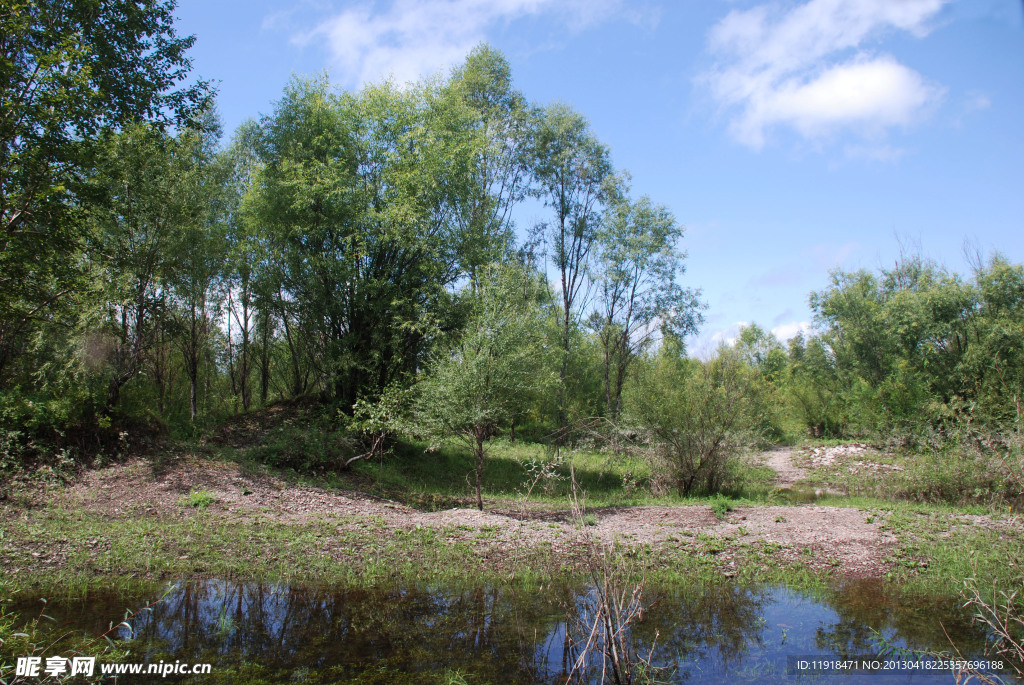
(781, 459)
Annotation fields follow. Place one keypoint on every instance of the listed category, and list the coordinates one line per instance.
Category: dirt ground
(842, 539)
(781, 460)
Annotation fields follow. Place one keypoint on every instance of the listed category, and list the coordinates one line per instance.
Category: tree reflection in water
(715, 633)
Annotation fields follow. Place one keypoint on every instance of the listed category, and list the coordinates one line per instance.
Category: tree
(247, 272)
(198, 246)
(898, 340)
(572, 169)
(357, 193)
(492, 372)
(813, 385)
(70, 69)
(500, 172)
(762, 350)
(697, 415)
(993, 366)
(638, 296)
(144, 202)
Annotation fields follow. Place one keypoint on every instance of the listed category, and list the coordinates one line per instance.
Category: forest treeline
(362, 248)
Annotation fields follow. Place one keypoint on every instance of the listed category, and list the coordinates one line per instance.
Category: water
(711, 634)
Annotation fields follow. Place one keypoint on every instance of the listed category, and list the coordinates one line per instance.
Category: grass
(124, 553)
(443, 478)
(198, 499)
(952, 472)
(936, 546)
(97, 552)
(721, 506)
(510, 471)
(78, 551)
(40, 636)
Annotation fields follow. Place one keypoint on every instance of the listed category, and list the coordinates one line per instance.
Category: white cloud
(412, 38)
(729, 335)
(977, 102)
(789, 330)
(808, 68)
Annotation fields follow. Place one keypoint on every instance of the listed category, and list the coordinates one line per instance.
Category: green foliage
(355, 222)
(964, 467)
(340, 247)
(72, 72)
(315, 448)
(913, 347)
(721, 505)
(377, 425)
(762, 351)
(813, 387)
(638, 262)
(198, 499)
(493, 371)
(573, 172)
(499, 174)
(698, 416)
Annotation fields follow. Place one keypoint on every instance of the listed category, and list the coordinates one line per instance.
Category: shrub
(697, 416)
(307, 449)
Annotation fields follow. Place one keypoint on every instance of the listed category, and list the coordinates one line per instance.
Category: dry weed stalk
(598, 625)
(1003, 613)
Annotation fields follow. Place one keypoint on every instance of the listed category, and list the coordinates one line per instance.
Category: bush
(697, 417)
(960, 465)
(318, 446)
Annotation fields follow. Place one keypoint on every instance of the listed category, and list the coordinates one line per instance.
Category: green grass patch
(942, 545)
(198, 499)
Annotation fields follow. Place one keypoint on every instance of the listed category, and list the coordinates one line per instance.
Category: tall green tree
(357, 194)
(250, 286)
(137, 223)
(637, 267)
(814, 386)
(762, 350)
(70, 69)
(995, 362)
(499, 177)
(198, 248)
(572, 169)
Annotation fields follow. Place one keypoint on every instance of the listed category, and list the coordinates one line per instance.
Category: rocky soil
(845, 540)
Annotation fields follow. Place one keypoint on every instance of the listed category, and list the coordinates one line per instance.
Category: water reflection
(717, 633)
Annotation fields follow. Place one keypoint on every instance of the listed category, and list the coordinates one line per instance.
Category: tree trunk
(265, 360)
(608, 411)
(479, 468)
(563, 416)
(297, 384)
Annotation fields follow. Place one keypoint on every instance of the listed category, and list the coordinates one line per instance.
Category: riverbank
(191, 516)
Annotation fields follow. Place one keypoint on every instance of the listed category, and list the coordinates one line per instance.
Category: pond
(708, 634)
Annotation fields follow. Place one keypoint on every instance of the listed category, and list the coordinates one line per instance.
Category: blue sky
(789, 137)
